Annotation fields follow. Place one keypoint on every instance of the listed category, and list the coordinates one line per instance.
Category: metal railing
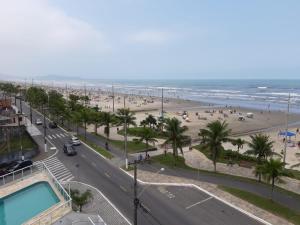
(47, 217)
(18, 174)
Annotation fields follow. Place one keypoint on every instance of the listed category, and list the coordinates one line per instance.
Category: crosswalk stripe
(49, 136)
(58, 135)
(62, 135)
(58, 169)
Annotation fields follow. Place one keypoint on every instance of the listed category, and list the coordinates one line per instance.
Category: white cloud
(34, 29)
(151, 36)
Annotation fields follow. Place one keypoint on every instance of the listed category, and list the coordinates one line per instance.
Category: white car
(75, 141)
(38, 122)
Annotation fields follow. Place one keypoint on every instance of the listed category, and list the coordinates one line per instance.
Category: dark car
(52, 125)
(18, 165)
(69, 149)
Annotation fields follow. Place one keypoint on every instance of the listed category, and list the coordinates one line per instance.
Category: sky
(150, 39)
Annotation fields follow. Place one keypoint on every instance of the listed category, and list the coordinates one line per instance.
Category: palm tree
(124, 115)
(148, 135)
(272, 170)
(261, 147)
(107, 120)
(80, 199)
(239, 143)
(151, 121)
(175, 136)
(214, 135)
(96, 118)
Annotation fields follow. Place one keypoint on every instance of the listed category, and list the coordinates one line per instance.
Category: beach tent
(288, 134)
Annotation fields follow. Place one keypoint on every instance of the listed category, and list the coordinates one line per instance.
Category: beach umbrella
(288, 133)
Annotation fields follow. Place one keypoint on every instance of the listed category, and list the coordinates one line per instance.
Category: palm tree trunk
(84, 130)
(96, 125)
(273, 184)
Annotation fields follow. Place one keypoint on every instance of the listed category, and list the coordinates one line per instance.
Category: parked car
(52, 125)
(69, 150)
(18, 165)
(75, 141)
(38, 122)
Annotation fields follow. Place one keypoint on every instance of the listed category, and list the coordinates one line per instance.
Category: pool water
(26, 203)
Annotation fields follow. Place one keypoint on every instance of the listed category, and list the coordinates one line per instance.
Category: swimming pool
(26, 203)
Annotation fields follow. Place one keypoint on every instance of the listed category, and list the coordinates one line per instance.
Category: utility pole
(286, 128)
(136, 201)
(45, 140)
(20, 134)
(84, 95)
(113, 97)
(162, 103)
(30, 106)
(21, 108)
(125, 138)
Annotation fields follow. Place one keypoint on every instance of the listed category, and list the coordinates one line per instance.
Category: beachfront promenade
(89, 168)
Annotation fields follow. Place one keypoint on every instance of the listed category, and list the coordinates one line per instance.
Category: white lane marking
(197, 203)
(124, 189)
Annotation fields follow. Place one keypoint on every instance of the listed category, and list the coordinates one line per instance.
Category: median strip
(96, 148)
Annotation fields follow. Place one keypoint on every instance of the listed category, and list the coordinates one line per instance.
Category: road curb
(205, 191)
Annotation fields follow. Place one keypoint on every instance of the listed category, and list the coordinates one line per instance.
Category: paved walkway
(99, 205)
(80, 219)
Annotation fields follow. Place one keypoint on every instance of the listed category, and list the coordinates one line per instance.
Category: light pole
(45, 140)
(125, 137)
(20, 134)
(136, 200)
(286, 128)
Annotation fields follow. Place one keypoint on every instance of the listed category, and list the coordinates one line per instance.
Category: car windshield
(70, 148)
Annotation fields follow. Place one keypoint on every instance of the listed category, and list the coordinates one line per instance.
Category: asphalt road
(90, 168)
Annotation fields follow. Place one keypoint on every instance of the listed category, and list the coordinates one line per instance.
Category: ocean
(257, 94)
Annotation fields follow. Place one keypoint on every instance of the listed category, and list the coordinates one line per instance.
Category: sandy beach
(196, 115)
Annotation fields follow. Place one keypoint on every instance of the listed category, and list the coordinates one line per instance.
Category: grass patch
(293, 173)
(171, 162)
(134, 131)
(227, 156)
(132, 146)
(265, 203)
(99, 149)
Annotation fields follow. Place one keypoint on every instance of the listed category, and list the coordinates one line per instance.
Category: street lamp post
(20, 134)
(45, 140)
